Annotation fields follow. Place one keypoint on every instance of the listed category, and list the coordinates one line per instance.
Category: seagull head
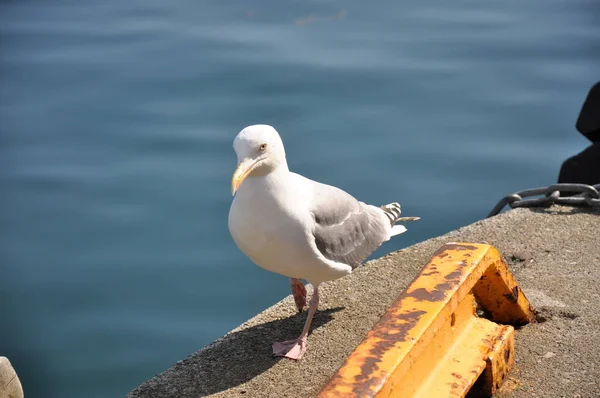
(259, 152)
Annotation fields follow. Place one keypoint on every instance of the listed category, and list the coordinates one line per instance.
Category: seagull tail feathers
(393, 211)
(397, 230)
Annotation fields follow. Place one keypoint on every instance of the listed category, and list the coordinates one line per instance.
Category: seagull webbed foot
(292, 349)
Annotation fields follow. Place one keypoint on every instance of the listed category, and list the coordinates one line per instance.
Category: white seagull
(297, 227)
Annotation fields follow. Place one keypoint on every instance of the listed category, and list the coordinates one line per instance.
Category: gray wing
(346, 230)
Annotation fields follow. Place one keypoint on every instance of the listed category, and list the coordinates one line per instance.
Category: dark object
(586, 195)
(583, 168)
(588, 122)
(579, 177)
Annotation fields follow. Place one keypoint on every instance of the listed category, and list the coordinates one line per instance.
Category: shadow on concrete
(247, 352)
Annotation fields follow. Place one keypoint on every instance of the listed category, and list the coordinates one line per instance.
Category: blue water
(116, 123)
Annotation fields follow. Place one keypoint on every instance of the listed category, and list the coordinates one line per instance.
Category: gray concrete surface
(554, 254)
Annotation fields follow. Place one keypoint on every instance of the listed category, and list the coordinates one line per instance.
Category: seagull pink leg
(295, 349)
(299, 293)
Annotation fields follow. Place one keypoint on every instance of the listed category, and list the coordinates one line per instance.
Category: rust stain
(441, 252)
(513, 296)
(444, 287)
(453, 275)
(448, 247)
(507, 355)
(412, 316)
(515, 292)
(459, 247)
(365, 382)
(421, 294)
(368, 367)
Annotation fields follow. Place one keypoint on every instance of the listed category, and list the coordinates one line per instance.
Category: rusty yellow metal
(430, 342)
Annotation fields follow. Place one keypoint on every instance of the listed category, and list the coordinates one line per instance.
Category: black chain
(585, 195)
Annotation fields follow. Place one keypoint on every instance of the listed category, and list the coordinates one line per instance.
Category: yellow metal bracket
(430, 342)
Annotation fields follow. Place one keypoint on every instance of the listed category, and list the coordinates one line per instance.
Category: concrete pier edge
(10, 385)
(554, 254)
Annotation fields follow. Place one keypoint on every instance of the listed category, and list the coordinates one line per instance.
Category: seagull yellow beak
(242, 171)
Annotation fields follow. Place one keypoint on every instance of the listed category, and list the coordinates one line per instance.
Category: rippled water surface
(116, 123)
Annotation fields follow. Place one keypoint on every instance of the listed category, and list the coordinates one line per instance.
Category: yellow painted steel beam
(430, 342)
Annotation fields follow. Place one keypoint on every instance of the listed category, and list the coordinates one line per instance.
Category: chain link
(584, 195)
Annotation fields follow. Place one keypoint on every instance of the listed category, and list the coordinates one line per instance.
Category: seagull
(297, 227)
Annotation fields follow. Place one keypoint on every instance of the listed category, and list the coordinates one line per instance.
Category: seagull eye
(262, 147)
